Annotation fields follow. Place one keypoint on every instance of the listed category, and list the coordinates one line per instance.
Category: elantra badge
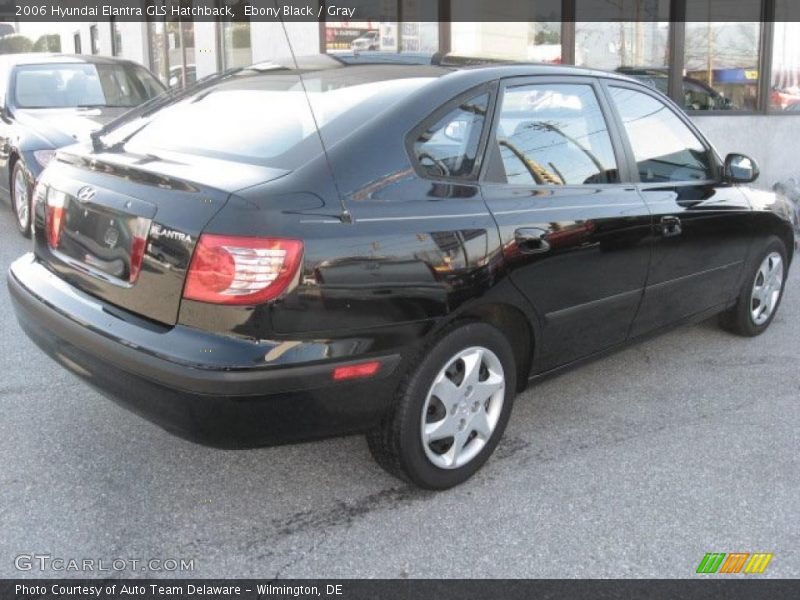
(158, 231)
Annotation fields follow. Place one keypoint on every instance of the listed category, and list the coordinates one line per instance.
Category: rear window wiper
(156, 103)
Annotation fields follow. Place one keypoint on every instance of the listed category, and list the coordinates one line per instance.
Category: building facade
(740, 81)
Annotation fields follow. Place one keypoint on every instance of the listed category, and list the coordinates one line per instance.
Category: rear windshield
(265, 119)
(83, 85)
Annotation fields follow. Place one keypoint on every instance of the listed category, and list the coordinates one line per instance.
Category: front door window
(664, 147)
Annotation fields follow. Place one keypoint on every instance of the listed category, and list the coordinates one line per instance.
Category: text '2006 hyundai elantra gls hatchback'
(364, 244)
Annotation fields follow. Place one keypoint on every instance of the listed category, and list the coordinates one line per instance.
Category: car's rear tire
(761, 291)
(21, 198)
(450, 409)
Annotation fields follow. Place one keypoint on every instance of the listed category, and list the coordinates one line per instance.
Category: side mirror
(740, 169)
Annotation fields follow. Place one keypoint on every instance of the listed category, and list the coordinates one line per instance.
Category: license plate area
(104, 237)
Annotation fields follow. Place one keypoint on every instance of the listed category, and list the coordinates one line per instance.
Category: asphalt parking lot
(635, 465)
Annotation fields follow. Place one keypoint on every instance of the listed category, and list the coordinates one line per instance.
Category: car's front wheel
(21, 198)
(451, 409)
(761, 292)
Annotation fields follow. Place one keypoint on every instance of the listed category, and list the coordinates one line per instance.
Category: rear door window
(553, 134)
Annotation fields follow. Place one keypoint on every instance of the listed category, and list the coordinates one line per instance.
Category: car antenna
(344, 215)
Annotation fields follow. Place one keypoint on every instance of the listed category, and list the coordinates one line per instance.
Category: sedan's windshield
(73, 85)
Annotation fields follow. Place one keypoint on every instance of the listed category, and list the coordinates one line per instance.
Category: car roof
(441, 64)
(39, 58)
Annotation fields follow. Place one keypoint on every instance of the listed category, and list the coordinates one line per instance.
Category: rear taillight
(140, 231)
(55, 205)
(241, 270)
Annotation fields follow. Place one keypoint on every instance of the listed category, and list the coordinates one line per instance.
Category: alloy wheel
(21, 200)
(766, 288)
(463, 407)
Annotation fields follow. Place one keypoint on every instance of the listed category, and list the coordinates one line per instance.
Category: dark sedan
(52, 100)
(394, 249)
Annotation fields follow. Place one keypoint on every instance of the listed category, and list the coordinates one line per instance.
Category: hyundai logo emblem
(86, 194)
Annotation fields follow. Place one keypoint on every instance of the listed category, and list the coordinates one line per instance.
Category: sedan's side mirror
(740, 169)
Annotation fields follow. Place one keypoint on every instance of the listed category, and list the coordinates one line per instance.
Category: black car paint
(24, 131)
(412, 255)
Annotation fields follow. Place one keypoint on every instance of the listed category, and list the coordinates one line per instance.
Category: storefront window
(94, 38)
(237, 49)
(172, 51)
(235, 42)
(635, 40)
(640, 49)
(419, 37)
(418, 31)
(156, 40)
(534, 41)
(785, 85)
(545, 43)
(116, 38)
(360, 36)
(721, 66)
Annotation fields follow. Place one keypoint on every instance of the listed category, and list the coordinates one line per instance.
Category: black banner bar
(395, 10)
(728, 588)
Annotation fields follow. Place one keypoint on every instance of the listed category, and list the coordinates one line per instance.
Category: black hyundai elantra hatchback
(352, 246)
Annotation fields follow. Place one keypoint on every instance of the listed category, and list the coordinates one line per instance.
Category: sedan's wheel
(463, 407)
(450, 410)
(767, 288)
(761, 292)
(21, 199)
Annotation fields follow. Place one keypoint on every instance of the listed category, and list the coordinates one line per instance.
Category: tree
(547, 37)
(15, 42)
(48, 43)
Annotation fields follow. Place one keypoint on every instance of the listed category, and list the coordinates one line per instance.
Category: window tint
(449, 147)
(554, 134)
(665, 149)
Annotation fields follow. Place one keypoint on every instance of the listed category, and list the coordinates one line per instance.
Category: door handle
(531, 240)
(670, 226)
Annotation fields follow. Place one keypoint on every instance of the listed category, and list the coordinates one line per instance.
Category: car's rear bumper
(213, 389)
